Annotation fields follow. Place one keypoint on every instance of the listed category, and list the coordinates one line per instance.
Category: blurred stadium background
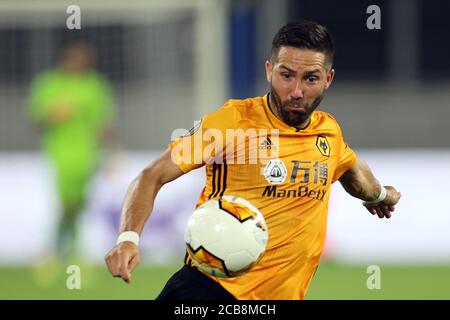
(170, 62)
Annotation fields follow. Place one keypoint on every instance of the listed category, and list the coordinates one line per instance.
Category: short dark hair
(305, 35)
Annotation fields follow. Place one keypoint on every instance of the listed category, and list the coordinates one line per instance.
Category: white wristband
(380, 198)
(131, 236)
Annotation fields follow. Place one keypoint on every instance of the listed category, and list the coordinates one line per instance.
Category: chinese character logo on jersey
(323, 145)
(275, 171)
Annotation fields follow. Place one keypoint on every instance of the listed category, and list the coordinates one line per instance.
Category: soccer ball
(226, 237)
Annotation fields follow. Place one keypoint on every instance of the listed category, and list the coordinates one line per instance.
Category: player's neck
(274, 110)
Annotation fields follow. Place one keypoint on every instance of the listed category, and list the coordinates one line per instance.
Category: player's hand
(122, 259)
(385, 208)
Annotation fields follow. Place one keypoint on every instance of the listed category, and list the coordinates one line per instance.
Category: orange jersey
(285, 172)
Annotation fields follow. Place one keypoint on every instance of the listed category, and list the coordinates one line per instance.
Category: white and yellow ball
(226, 237)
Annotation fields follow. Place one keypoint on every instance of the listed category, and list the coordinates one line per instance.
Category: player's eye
(286, 75)
(312, 78)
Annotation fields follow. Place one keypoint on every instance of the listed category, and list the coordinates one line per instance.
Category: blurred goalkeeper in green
(73, 106)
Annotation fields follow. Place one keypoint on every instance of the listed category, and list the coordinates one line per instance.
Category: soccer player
(73, 105)
(291, 190)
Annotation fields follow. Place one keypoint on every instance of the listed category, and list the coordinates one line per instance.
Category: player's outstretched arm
(360, 182)
(124, 257)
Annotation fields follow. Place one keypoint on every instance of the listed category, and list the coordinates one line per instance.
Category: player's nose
(297, 92)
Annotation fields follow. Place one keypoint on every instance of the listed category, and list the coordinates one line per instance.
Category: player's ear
(330, 77)
(268, 70)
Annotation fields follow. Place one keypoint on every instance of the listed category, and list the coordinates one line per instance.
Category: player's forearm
(360, 182)
(139, 201)
(143, 190)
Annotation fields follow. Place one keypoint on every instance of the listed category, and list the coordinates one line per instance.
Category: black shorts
(190, 284)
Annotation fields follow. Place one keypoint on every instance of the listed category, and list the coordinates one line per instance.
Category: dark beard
(291, 117)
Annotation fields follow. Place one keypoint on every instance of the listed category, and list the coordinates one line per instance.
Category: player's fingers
(379, 212)
(124, 272)
(126, 277)
(386, 211)
(112, 263)
(108, 263)
(133, 263)
(391, 208)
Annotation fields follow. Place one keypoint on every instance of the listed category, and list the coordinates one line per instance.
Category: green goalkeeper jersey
(87, 97)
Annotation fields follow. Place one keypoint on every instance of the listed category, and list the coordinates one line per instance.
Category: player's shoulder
(234, 110)
(326, 120)
(244, 104)
(243, 108)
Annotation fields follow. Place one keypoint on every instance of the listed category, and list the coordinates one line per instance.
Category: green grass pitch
(332, 281)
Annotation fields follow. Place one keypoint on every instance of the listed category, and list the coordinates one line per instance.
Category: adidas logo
(267, 145)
